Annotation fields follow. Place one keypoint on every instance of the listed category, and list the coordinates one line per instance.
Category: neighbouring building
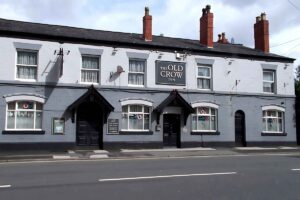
(66, 87)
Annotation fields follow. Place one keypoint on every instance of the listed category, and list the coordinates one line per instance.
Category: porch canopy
(174, 99)
(92, 96)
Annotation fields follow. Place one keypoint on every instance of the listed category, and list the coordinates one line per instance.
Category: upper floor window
(90, 69)
(136, 73)
(24, 115)
(204, 119)
(268, 81)
(204, 77)
(27, 64)
(273, 121)
(136, 117)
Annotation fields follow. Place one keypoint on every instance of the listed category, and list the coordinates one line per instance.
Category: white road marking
(165, 176)
(295, 169)
(101, 151)
(5, 186)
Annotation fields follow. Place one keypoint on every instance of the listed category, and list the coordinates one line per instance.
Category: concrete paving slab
(97, 156)
(166, 149)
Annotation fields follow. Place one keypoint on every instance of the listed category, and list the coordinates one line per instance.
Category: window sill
(20, 132)
(135, 132)
(205, 133)
(273, 134)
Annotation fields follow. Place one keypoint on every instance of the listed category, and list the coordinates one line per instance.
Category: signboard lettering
(113, 126)
(170, 73)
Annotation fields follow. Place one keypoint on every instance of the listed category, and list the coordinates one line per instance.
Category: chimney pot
(208, 8)
(146, 10)
(263, 16)
(257, 18)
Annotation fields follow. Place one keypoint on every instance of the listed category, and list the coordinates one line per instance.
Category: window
(90, 69)
(268, 81)
(204, 77)
(136, 72)
(136, 117)
(24, 115)
(273, 121)
(204, 119)
(27, 65)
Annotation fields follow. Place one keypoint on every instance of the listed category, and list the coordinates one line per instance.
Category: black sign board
(170, 73)
(113, 125)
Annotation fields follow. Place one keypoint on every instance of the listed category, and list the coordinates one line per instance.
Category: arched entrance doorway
(240, 128)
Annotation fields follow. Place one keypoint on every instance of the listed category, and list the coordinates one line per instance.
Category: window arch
(205, 118)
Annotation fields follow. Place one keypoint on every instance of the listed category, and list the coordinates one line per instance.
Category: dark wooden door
(240, 129)
(89, 125)
(171, 130)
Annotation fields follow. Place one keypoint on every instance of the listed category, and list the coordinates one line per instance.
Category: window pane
(268, 76)
(135, 121)
(272, 113)
(11, 106)
(213, 111)
(135, 108)
(25, 105)
(280, 125)
(203, 83)
(268, 87)
(203, 110)
(125, 109)
(264, 124)
(124, 121)
(272, 124)
(89, 76)
(39, 106)
(10, 119)
(146, 122)
(135, 79)
(146, 109)
(24, 72)
(25, 119)
(213, 123)
(203, 122)
(136, 66)
(38, 120)
(90, 62)
(204, 71)
(194, 122)
(27, 58)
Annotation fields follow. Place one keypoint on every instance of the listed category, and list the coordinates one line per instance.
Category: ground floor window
(24, 115)
(273, 121)
(204, 119)
(135, 118)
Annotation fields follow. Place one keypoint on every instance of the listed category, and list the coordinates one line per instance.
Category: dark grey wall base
(273, 134)
(23, 132)
(132, 145)
(207, 144)
(205, 133)
(136, 132)
(57, 146)
(249, 144)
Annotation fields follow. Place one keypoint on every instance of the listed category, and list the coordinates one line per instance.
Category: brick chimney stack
(147, 25)
(261, 33)
(206, 27)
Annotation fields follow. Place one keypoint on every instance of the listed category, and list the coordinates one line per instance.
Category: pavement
(13, 156)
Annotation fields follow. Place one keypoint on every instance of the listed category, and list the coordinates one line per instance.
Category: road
(225, 177)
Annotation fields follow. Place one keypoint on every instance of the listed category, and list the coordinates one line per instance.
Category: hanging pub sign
(170, 73)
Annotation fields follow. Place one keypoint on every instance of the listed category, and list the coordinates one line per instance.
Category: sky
(172, 18)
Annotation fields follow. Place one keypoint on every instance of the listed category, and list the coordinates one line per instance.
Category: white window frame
(34, 110)
(94, 70)
(266, 81)
(138, 113)
(130, 72)
(21, 65)
(265, 125)
(206, 115)
(204, 77)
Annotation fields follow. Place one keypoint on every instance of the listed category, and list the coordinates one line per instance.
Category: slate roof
(12, 28)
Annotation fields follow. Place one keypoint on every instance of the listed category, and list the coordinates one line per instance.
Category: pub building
(64, 87)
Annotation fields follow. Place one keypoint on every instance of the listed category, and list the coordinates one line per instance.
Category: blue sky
(174, 18)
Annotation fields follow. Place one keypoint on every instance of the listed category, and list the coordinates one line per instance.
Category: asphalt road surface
(225, 177)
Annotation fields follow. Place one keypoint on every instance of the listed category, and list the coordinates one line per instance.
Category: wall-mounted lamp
(228, 72)
(285, 66)
(160, 55)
